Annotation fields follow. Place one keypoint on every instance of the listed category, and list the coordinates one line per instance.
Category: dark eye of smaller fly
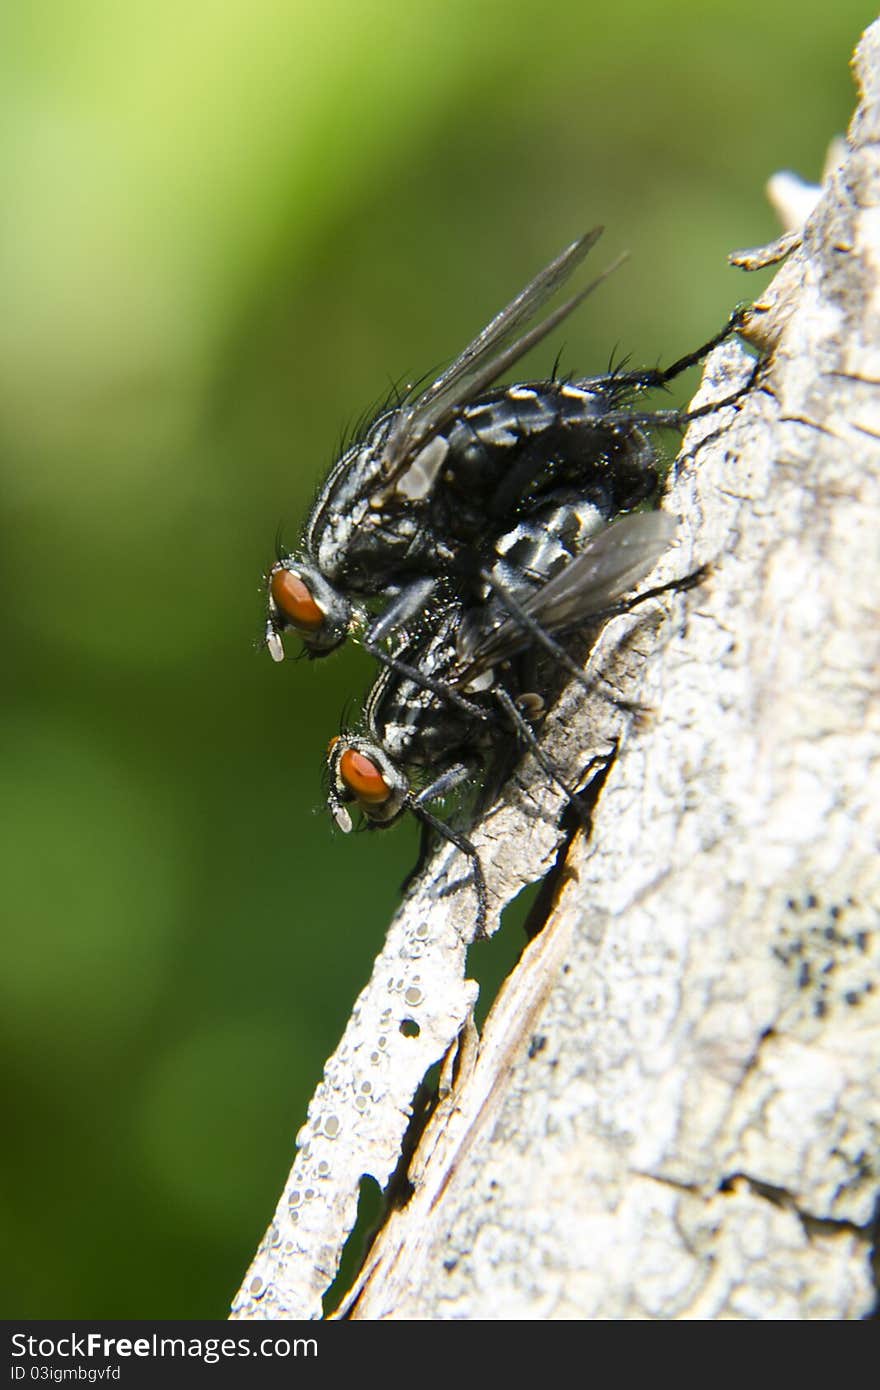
(363, 778)
(293, 599)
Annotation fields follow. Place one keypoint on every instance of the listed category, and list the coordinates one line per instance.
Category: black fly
(414, 508)
(470, 698)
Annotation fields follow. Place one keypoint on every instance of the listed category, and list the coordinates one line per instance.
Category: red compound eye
(292, 598)
(363, 778)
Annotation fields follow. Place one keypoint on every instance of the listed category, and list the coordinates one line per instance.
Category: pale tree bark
(673, 1110)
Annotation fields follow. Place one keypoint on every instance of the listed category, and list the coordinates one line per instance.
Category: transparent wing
(608, 567)
(487, 357)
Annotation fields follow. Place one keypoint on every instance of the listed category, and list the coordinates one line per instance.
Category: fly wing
(486, 357)
(608, 567)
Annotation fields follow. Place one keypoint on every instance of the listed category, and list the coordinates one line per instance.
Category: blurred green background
(225, 227)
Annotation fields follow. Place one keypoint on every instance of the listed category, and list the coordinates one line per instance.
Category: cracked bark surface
(674, 1108)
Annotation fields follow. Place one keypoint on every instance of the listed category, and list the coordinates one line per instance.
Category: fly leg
(693, 359)
(441, 688)
(555, 648)
(446, 782)
(654, 379)
(527, 734)
(440, 787)
(410, 603)
(676, 419)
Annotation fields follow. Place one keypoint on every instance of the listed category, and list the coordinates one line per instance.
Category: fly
(469, 700)
(413, 509)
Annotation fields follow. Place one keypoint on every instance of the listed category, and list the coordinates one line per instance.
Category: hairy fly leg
(656, 378)
(527, 736)
(680, 419)
(441, 787)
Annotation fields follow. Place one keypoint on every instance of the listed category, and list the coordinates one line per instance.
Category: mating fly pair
(482, 522)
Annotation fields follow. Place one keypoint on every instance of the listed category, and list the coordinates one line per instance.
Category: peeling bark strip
(674, 1109)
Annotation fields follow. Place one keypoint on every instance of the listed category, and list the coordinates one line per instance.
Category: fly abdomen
(539, 546)
(488, 435)
(509, 450)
